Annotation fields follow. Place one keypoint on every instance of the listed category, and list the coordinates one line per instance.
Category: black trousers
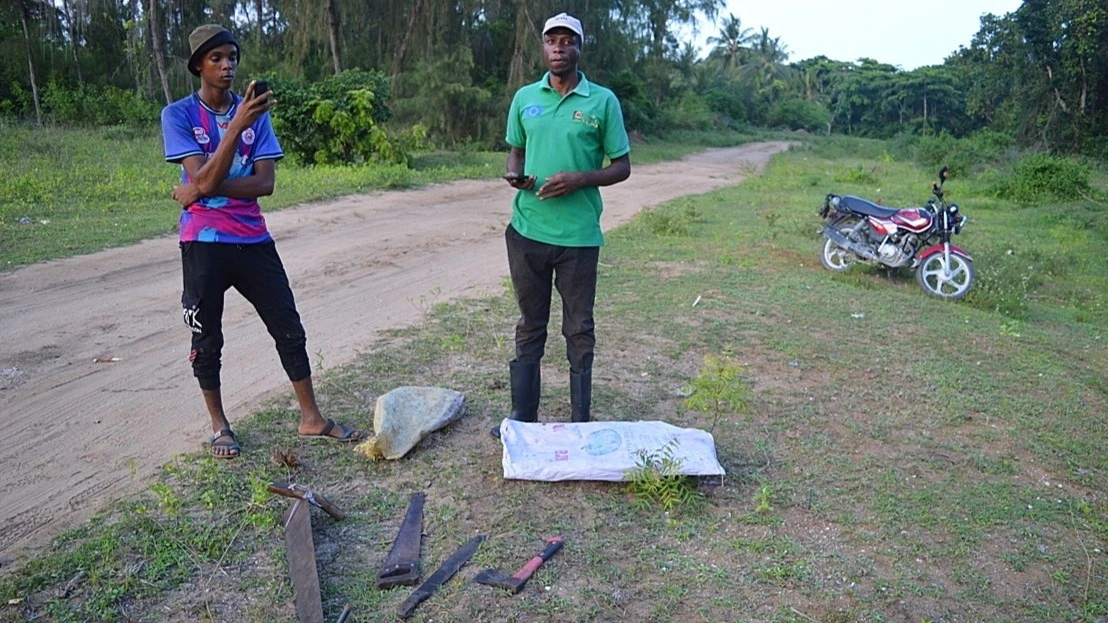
(256, 271)
(533, 266)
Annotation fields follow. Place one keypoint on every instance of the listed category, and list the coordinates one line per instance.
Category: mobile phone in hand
(516, 178)
(260, 87)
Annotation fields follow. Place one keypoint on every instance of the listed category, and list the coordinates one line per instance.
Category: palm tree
(769, 48)
(767, 60)
(731, 42)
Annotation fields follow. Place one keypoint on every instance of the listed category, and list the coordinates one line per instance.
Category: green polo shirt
(562, 134)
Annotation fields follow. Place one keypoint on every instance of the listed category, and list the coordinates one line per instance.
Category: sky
(904, 33)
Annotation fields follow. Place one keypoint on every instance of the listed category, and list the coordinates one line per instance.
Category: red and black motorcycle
(860, 231)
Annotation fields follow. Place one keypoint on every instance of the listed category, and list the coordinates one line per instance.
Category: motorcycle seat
(869, 208)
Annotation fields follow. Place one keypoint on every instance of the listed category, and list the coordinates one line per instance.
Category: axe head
(494, 577)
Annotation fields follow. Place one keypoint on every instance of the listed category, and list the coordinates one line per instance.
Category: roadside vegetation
(890, 457)
(66, 191)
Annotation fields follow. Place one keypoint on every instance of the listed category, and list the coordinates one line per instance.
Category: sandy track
(79, 434)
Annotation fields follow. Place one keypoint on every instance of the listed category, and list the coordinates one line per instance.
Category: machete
(439, 577)
(402, 565)
(302, 563)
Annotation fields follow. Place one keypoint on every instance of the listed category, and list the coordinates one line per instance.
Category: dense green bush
(339, 120)
(1096, 147)
(441, 95)
(796, 114)
(639, 110)
(90, 105)
(1045, 176)
(690, 112)
(963, 155)
(729, 100)
(992, 145)
(943, 150)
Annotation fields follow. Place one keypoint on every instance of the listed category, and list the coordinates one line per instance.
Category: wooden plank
(302, 563)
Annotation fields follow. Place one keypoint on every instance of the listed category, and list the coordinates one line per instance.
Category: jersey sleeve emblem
(201, 136)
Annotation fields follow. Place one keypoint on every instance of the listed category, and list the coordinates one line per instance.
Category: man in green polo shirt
(560, 130)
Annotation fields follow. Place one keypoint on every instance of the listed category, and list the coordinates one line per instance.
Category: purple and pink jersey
(189, 128)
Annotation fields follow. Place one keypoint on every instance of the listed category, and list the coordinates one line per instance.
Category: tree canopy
(1038, 74)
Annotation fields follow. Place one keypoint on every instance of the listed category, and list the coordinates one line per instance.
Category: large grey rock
(406, 415)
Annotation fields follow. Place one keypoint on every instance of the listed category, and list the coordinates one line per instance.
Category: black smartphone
(260, 87)
(516, 178)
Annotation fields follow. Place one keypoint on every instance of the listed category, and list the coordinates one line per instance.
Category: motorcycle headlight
(961, 223)
(954, 210)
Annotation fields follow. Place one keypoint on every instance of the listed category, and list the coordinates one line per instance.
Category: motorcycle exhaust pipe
(848, 244)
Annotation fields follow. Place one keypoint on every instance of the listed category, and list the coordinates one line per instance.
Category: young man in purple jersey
(227, 150)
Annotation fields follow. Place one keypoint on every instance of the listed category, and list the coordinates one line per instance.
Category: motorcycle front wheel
(946, 282)
(833, 257)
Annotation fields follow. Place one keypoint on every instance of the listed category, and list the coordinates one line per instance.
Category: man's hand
(520, 182)
(251, 108)
(186, 194)
(561, 184)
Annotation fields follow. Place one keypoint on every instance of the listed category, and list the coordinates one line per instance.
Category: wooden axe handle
(533, 564)
(303, 493)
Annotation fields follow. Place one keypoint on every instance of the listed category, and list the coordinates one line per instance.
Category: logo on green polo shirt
(532, 111)
(590, 120)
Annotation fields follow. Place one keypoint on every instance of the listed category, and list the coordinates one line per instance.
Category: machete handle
(293, 490)
(399, 574)
(533, 564)
(408, 607)
(329, 508)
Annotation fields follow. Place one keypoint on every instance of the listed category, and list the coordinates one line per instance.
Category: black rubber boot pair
(526, 380)
(580, 395)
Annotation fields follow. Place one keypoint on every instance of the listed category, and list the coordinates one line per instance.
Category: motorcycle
(860, 231)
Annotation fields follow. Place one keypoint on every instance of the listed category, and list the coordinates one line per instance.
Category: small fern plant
(718, 389)
(657, 479)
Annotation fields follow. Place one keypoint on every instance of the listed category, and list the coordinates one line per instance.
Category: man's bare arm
(209, 174)
(564, 183)
(517, 157)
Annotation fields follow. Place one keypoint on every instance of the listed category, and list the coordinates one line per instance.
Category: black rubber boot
(580, 395)
(526, 379)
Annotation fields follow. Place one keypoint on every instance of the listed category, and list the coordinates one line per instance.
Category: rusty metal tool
(302, 565)
(402, 566)
(301, 492)
(514, 583)
(439, 577)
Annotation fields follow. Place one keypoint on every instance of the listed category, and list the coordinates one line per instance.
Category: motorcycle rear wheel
(833, 257)
(934, 279)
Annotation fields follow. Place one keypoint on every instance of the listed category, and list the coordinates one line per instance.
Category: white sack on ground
(406, 415)
(600, 450)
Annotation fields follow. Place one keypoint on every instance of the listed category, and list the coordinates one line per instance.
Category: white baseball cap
(564, 20)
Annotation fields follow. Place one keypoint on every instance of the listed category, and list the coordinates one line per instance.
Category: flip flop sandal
(232, 446)
(349, 434)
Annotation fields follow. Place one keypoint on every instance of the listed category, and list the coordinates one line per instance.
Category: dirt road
(79, 433)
